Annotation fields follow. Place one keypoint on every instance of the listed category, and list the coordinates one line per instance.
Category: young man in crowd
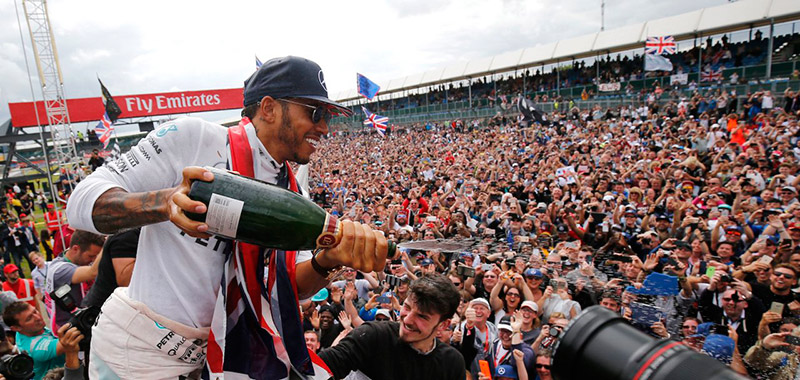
(407, 349)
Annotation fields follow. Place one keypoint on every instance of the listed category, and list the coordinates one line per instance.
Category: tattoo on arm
(118, 209)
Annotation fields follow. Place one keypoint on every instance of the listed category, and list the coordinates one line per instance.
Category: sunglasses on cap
(318, 112)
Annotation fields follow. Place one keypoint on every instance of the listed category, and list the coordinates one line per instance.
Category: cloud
(157, 46)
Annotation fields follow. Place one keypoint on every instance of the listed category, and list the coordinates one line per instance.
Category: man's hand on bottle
(180, 203)
(360, 248)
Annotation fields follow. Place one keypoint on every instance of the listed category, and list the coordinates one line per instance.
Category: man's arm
(360, 248)
(123, 269)
(87, 272)
(351, 352)
(117, 209)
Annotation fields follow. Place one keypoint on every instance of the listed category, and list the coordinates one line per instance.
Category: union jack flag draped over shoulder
(377, 122)
(257, 330)
(661, 45)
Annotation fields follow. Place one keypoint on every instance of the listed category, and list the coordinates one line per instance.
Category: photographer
(73, 268)
(38, 341)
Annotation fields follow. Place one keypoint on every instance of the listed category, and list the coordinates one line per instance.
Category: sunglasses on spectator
(318, 112)
(512, 295)
(728, 299)
(457, 283)
(690, 327)
(545, 366)
(788, 276)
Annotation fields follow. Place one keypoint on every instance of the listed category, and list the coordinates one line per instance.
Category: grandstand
(728, 38)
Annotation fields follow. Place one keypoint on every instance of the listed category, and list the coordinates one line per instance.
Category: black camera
(601, 345)
(82, 318)
(466, 271)
(16, 366)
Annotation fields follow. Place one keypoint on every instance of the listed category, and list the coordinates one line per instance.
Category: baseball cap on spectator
(608, 198)
(794, 226)
(480, 301)
(321, 295)
(703, 330)
(662, 217)
(289, 77)
(630, 211)
(532, 272)
(383, 312)
(733, 229)
(505, 323)
(719, 347)
(426, 262)
(531, 305)
(505, 371)
(789, 188)
(562, 228)
(10, 268)
(327, 308)
(772, 239)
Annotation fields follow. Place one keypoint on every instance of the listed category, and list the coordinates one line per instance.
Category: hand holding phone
(777, 308)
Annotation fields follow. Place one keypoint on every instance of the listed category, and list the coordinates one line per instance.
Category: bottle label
(330, 231)
(223, 215)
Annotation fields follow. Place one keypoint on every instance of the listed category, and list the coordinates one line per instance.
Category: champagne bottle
(260, 213)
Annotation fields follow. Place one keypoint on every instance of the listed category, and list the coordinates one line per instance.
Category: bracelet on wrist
(322, 271)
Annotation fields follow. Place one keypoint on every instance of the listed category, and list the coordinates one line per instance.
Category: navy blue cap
(532, 272)
(289, 77)
(505, 370)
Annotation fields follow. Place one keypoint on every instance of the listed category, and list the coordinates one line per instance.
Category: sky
(145, 46)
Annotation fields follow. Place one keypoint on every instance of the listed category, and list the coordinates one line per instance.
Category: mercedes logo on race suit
(322, 80)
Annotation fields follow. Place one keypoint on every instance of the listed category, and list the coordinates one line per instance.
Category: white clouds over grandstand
(148, 46)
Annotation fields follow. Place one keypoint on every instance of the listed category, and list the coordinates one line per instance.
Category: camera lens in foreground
(600, 345)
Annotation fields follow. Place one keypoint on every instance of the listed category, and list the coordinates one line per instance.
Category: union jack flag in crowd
(377, 122)
(661, 45)
(711, 75)
(104, 129)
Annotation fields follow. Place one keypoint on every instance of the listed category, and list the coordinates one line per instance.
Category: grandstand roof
(703, 22)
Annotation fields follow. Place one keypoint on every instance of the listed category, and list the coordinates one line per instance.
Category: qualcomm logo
(322, 80)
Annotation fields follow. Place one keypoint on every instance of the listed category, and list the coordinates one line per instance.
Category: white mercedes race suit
(176, 276)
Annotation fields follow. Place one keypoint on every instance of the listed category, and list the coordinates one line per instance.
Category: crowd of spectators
(719, 54)
(684, 219)
(681, 216)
